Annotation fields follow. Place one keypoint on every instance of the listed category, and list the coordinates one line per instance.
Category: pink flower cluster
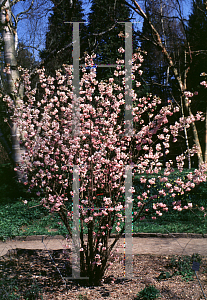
(101, 150)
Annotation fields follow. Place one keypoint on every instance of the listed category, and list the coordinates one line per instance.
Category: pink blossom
(101, 150)
(121, 50)
(118, 228)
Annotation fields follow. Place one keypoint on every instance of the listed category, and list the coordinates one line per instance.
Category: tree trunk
(182, 110)
(11, 61)
(186, 136)
(6, 146)
(161, 46)
(206, 138)
(195, 134)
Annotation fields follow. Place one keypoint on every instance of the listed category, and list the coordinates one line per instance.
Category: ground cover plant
(103, 154)
(18, 218)
(182, 265)
(148, 293)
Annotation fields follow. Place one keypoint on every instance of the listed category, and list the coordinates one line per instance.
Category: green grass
(18, 219)
(191, 221)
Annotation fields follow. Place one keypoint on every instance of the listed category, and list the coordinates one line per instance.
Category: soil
(32, 274)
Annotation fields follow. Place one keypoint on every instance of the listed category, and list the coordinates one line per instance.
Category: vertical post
(128, 168)
(75, 132)
(128, 80)
(75, 229)
(76, 102)
(128, 223)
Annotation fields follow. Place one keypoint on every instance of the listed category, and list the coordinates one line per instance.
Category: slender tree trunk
(160, 45)
(8, 36)
(186, 135)
(6, 145)
(195, 134)
(206, 138)
(182, 110)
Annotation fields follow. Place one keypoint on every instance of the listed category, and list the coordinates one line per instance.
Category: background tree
(9, 36)
(103, 33)
(173, 66)
(58, 45)
(25, 58)
(197, 31)
(158, 76)
(10, 18)
(171, 32)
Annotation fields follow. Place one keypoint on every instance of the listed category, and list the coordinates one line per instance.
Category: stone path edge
(140, 235)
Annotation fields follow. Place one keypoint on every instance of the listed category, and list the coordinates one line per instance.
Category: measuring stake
(195, 268)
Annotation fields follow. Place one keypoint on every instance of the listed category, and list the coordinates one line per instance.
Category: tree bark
(8, 35)
(6, 146)
(206, 137)
(176, 74)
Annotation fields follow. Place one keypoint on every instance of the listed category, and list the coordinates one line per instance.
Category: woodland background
(171, 34)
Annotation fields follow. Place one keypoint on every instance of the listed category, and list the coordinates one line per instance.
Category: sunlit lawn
(17, 218)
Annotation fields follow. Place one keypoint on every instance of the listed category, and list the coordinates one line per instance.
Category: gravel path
(146, 244)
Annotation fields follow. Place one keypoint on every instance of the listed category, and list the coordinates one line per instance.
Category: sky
(26, 28)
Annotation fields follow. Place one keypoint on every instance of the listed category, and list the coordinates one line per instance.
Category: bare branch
(198, 52)
(3, 4)
(24, 12)
(134, 8)
(15, 19)
(96, 34)
(63, 49)
(36, 48)
(161, 46)
(147, 39)
(15, 2)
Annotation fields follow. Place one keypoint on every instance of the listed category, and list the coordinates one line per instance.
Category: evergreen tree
(157, 74)
(58, 47)
(103, 33)
(197, 32)
(25, 58)
(156, 69)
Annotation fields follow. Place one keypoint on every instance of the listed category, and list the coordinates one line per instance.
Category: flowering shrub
(100, 150)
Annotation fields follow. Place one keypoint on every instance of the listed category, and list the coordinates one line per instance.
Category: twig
(200, 285)
(54, 263)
